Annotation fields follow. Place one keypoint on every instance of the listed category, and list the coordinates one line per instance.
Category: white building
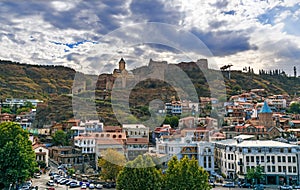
(280, 161)
(278, 101)
(90, 126)
(203, 151)
(137, 140)
(41, 153)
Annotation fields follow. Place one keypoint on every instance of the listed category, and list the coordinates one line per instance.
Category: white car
(99, 186)
(83, 186)
(50, 183)
(91, 186)
(37, 175)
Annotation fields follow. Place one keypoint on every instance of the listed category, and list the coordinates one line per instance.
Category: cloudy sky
(91, 36)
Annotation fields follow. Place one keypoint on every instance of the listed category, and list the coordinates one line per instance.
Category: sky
(92, 36)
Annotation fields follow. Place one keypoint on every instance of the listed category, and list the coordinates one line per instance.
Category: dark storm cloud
(217, 24)
(77, 17)
(220, 4)
(222, 43)
(154, 11)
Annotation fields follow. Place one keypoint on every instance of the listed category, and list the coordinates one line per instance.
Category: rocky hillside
(53, 84)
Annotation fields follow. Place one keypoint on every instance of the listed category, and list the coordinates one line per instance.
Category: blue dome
(265, 108)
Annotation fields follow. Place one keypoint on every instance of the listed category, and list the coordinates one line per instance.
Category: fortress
(122, 78)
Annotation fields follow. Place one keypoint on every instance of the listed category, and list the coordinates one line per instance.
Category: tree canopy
(140, 174)
(111, 163)
(294, 107)
(185, 174)
(60, 138)
(255, 174)
(17, 158)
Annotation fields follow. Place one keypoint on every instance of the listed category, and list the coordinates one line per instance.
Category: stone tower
(265, 116)
(122, 65)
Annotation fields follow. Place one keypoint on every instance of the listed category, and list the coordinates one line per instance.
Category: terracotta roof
(296, 121)
(109, 141)
(38, 145)
(137, 141)
(111, 128)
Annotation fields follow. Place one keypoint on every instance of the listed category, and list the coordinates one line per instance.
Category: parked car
(91, 186)
(296, 187)
(246, 185)
(229, 184)
(50, 183)
(83, 186)
(212, 184)
(74, 184)
(50, 188)
(286, 187)
(99, 186)
(70, 181)
(37, 175)
(259, 186)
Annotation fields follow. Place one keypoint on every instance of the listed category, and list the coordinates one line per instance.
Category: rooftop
(265, 108)
(255, 143)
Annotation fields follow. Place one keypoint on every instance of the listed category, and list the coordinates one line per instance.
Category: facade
(41, 153)
(66, 155)
(173, 108)
(203, 151)
(280, 161)
(137, 140)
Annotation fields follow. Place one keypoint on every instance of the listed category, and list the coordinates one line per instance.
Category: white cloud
(26, 35)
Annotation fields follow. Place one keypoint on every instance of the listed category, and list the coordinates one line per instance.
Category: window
(273, 159)
(289, 159)
(283, 159)
(252, 158)
(283, 168)
(262, 159)
(290, 169)
(279, 158)
(269, 168)
(294, 169)
(273, 168)
(247, 158)
(294, 159)
(279, 169)
(257, 159)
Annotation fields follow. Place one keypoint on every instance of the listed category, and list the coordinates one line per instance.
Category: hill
(53, 84)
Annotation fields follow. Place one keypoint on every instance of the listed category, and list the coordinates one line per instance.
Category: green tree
(140, 174)
(174, 121)
(71, 171)
(17, 158)
(6, 110)
(22, 109)
(294, 107)
(185, 174)
(42, 164)
(255, 174)
(111, 163)
(60, 138)
(29, 105)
